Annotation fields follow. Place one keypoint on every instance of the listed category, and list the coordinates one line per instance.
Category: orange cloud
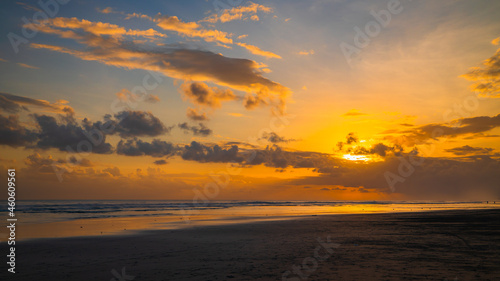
(306, 53)
(353, 113)
(96, 28)
(202, 94)
(257, 51)
(487, 77)
(192, 29)
(179, 63)
(27, 65)
(239, 13)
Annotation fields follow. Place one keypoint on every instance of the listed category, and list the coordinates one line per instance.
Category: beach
(433, 245)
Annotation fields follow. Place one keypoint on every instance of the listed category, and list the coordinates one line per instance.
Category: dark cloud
(200, 130)
(139, 123)
(351, 138)
(13, 133)
(80, 161)
(459, 127)
(252, 101)
(203, 153)
(275, 138)
(66, 136)
(382, 149)
(160, 162)
(135, 147)
(276, 157)
(194, 115)
(469, 150)
(13, 103)
(10, 106)
(434, 178)
(199, 93)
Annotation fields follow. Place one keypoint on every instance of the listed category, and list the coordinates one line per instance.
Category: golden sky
(270, 100)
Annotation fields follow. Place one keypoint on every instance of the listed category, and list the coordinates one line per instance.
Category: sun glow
(356, 157)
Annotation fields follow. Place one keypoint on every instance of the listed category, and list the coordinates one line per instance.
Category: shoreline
(430, 245)
(118, 224)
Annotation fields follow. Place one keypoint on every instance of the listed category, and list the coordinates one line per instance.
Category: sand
(441, 245)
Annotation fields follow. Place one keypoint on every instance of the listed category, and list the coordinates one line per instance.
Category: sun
(356, 157)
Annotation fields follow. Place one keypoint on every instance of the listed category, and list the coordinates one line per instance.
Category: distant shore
(434, 245)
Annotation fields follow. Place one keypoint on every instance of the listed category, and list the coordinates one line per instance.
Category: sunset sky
(263, 100)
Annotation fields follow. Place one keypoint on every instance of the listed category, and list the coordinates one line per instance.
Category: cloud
(36, 160)
(351, 138)
(127, 97)
(199, 93)
(257, 51)
(435, 178)
(460, 127)
(382, 149)
(191, 29)
(194, 115)
(29, 7)
(60, 26)
(9, 106)
(135, 147)
(13, 133)
(160, 162)
(273, 156)
(114, 172)
(67, 135)
(13, 103)
(50, 165)
(203, 153)
(469, 150)
(275, 138)
(353, 113)
(139, 123)
(235, 114)
(27, 66)
(107, 10)
(306, 52)
(239, 13)
(487, 77)
(176, 62)
(201, 130)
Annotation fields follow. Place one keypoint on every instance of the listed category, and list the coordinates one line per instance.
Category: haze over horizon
(263, 100)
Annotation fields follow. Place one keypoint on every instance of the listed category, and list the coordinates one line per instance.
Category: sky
(241, 100)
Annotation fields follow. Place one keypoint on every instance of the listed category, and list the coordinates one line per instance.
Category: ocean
(50, 219)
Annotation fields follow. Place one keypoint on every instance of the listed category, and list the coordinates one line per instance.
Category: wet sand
(441, 245)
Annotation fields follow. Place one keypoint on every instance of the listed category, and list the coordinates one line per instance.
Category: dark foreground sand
(447, 245)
